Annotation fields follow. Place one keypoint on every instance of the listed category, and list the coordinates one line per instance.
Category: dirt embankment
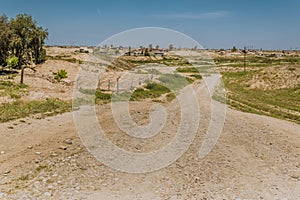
(273, 78)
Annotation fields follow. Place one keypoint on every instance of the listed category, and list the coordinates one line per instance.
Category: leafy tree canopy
(22, 38)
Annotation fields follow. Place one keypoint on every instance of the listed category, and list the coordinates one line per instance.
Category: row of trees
(22, 41)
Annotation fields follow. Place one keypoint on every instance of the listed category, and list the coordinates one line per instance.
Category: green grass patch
(279, 103)
(170, 96)
(196, 76)
(11, 89)
(169, 84)
(256, 61)
(20, 109)
(187, 70)
(65, 58)
(152, 90)
(102, 96)
(204, 69)
(175, 82)
(97, 93)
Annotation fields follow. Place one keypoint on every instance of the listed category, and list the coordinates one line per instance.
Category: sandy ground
(256, 157)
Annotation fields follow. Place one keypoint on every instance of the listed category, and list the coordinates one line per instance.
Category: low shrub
(60, 74)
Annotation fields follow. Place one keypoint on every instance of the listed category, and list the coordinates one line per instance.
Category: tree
(146, 52)
(37, 42)
(234, 49)
(4, 39)
(157, 47)
(150, 46)
(20, 37)
(171, 47)
(27, 39)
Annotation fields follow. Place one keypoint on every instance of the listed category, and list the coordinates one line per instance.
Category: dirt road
(256, 157)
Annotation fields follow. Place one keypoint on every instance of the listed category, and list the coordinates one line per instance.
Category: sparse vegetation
(174, 82)
(129, 62)
(67, 58)
(24, 177)
(196, 76)
(193, 72)
(20, 109)
(152, 90)
(256, 61)
(60, 74)
(280, 103)
(41, 167)
(170, 96)
(11, 89)
(187, 70)
(170, 84)
(168, 61)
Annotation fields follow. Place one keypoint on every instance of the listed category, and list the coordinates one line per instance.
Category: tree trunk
(20, 62)
(22, 75)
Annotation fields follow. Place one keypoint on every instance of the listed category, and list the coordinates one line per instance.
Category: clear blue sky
(268, 24)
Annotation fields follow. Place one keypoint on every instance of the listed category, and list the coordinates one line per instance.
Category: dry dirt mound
(273, 78)
(40, 81)
(120, 64)
(42, 84)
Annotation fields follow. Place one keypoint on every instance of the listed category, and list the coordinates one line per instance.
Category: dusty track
(255, 157)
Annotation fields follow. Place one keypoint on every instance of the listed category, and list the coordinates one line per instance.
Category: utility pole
(245, 52)
(129, 51)
(118, 86)
(108, 86)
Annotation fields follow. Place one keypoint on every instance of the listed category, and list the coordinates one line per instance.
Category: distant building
(222, 53)
(138, 53)
(83, 50)
(159, 53)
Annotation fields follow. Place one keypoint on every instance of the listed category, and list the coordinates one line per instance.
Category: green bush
(12, 62)
(102, 96)
(187, 70)
(196, 76)
(60, 74)
(152, 90)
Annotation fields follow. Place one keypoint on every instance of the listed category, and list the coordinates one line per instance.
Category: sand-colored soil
(256, 157)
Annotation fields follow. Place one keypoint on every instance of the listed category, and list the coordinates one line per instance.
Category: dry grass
(281, 103)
